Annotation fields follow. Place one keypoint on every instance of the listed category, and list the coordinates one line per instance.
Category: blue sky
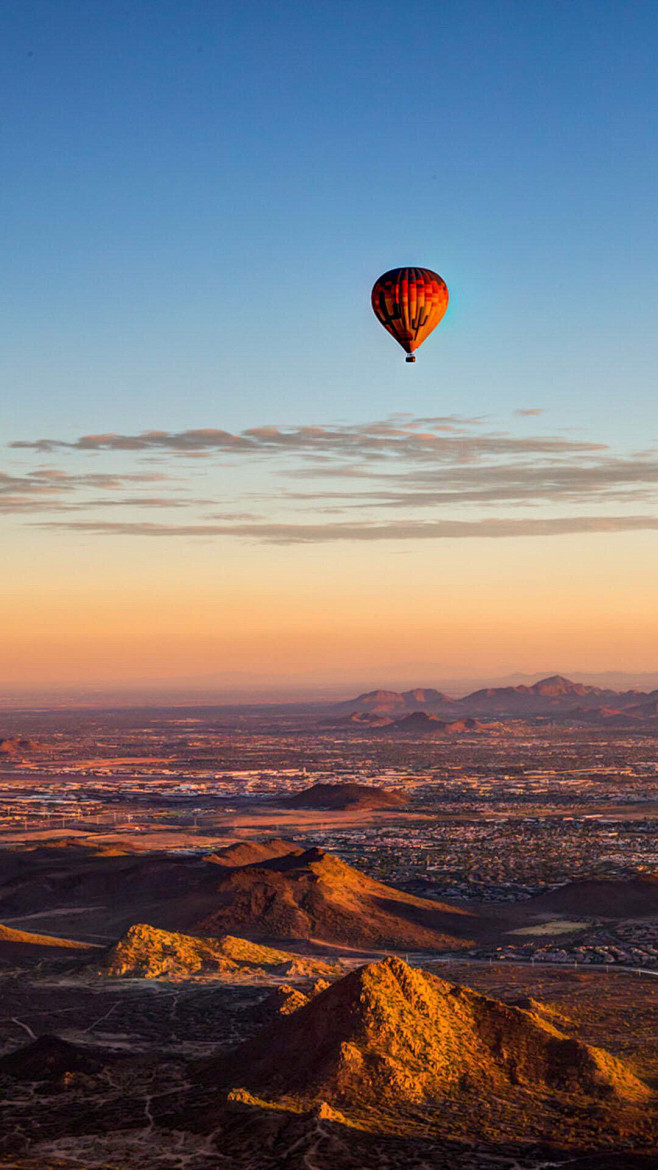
(197, 197)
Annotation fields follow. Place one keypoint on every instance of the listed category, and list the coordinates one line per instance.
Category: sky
(215, 465)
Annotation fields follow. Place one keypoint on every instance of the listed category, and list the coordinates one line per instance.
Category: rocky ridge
(144, 952)
(391, 1033)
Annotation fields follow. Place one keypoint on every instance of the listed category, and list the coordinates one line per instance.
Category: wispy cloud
(403, 530)
(425, 470)
(443, 439)
(527, 483)
(49, 488)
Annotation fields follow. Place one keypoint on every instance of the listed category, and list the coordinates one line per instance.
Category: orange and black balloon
(410, 302)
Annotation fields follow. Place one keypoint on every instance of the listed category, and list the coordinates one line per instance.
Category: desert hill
(544, 697)
(603, 898)
(433, 725)
(291, 895)
(252, 852)
(256, 1138)
(393, 703)
(363, 719)
(417, 721)
(341, 797)
(37, 880)
(387, 1033)
(314, 895)
(147, 953)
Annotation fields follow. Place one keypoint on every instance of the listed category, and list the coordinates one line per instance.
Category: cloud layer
(337, 481)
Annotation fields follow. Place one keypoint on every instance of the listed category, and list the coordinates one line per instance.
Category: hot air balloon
(410, 302)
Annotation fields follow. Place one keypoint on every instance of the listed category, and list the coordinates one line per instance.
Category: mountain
(388, 1035)
(556, 697)
(381, 702)
(541, 697)
(145, 952)
(314, 895)
(424, 697)
(648, 710)
(394, 703)
(343, 797)
(417, 721)
(291, 895)
(558, 685)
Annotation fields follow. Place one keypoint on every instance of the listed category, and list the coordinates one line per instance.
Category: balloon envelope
(410, 302)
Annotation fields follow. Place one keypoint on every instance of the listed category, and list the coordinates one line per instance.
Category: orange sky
(305, 613)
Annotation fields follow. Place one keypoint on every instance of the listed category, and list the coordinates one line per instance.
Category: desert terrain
(276, 940)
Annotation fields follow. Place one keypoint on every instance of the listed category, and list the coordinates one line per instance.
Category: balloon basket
(410, 358)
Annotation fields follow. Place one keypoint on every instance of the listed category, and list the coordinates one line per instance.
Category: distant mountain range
(555, 699)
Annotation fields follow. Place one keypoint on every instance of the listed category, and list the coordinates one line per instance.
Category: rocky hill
(292, 895)
(314, 895)
(389, 1034)
(394, 703)
(343, 797)
(147, 953)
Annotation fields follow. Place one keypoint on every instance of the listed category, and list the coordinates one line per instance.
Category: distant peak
(379, 694)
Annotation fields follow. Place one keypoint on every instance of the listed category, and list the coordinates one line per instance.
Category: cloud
(402, 530)
(424, 471)
(52, 488)
(443, 440)
(497, 483)
(52, 479)
(529, 412)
